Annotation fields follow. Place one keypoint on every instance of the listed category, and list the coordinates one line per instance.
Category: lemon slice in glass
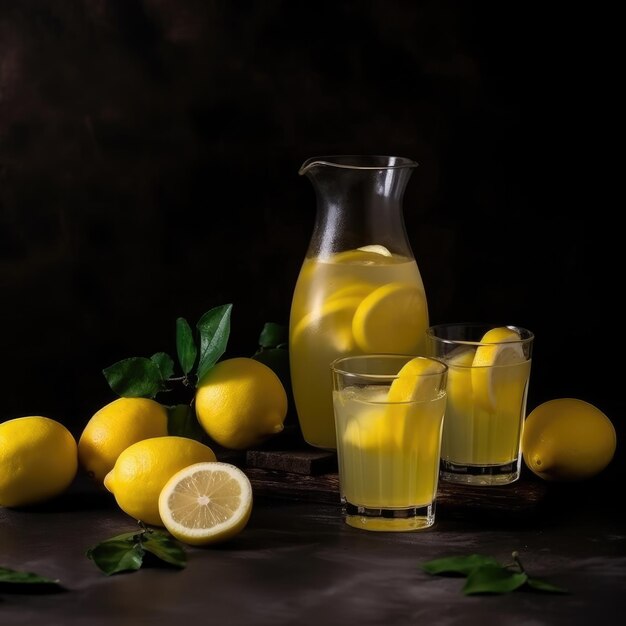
(413, 383)
(490, 361)
(333, 320)
(391, 319)
(206, 503)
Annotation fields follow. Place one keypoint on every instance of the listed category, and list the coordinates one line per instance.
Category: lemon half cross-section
(391, 319)
(502, 348)
(206, 503)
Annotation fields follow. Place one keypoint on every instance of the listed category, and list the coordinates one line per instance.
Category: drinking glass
(488, 375)
(388, 426)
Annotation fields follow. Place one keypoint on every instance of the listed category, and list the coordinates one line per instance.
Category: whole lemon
(113, 428)
(141, 471)
(38, 460)
(567, 439)
(240, 403)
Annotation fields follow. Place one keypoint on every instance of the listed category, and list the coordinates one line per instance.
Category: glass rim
(526, 336)
(359, 162)
(337, 370)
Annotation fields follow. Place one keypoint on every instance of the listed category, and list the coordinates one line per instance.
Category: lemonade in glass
(488, 375)
(389, 411)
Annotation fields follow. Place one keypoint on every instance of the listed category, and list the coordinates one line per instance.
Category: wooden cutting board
(311, 476)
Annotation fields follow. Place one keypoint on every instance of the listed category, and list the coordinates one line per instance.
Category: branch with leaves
(142, 377)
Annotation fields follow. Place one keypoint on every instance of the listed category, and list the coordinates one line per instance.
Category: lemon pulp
(206, 503)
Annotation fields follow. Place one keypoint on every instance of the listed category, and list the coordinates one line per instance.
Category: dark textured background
(148, 170)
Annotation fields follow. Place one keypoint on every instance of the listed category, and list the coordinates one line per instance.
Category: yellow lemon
(489, 366)
(390, 319)
(332, 321)
(567, 439)
(141, 471)
(113, 428)
(38, 460)
(240, 403)
(206, 503)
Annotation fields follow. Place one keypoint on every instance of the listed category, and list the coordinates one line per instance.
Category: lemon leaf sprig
(126, 552)
(485, 575)
(142, 377)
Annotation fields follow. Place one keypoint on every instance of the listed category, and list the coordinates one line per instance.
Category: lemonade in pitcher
(354, 302)
(359, 289)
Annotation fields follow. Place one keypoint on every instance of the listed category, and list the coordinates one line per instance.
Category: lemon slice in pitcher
(333, 320)
(391, 319)
(503, 349)
(376, 248)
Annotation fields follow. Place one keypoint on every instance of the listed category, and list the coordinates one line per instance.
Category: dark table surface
(297, 563)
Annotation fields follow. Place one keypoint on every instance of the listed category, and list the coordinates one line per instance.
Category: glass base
(483, 475)
(389, 520)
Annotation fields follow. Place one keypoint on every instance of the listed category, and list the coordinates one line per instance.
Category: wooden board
(299, 475)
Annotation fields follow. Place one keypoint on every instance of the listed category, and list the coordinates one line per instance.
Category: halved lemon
(391, 319)
(206, 503)
(416, 381)
(503, 349)
(333, 319)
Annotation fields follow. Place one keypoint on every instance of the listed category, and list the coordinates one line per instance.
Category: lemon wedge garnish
(391, 319)
(332, 320)
(504, 349)
(376, 248)
(417, 381)
(206, 503)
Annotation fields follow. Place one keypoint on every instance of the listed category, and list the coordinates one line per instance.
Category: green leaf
(185, 345)
(164, 548)
(273, 335)
(214, 327)
(165, 364)
(182, 422)
(462, 565)
(542, 585)
(117, 555)
(493, 579)
(13, 576)
(136, 377)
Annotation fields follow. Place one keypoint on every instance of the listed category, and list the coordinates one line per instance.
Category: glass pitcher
(359, 290)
